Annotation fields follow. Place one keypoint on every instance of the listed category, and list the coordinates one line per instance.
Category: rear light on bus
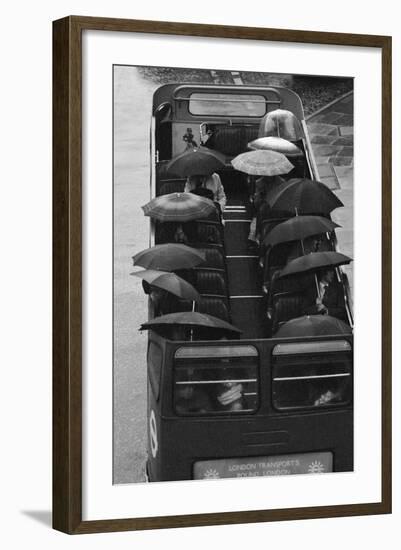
(212, 380)
(326, 346)
(200, 352)
(318, 376)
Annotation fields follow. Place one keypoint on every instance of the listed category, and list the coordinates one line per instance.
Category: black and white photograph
(232, 274)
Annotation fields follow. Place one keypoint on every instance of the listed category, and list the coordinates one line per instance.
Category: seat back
(214, 259)
(172, 186)
(210, 282)
(286, 307)
(214, 306)
(232, 140)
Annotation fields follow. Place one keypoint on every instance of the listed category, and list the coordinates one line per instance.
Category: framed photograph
(222, 275)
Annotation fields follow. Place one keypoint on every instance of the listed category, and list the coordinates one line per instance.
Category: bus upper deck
(236, 281)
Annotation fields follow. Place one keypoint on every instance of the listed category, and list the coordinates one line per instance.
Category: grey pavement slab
(346, 130)
(334, 159)
(325, 129)
(341, 161)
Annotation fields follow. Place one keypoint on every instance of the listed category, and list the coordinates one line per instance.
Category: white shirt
(213, 183)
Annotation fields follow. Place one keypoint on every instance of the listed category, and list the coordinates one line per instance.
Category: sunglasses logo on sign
(316, 467)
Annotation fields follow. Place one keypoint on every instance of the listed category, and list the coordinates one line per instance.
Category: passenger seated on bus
(329, 299)
(208, 233)
(192, 400)
(314, 243)
(175, 232)
(231, 398)
(163, 302)
(262, 187)
(212, 182)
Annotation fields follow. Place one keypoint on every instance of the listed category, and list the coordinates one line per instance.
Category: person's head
(156, 294)
(327, 275)
(196, 180)
(180, 236)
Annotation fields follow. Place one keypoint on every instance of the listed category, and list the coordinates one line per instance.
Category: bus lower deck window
(216, 386)
(312, 381)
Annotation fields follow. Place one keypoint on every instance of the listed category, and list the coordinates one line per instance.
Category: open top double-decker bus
(280, 424)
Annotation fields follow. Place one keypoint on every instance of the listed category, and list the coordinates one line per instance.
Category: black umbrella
(201, 161)
(303, 195)
(191, 319)
(169, 257)
(170, 282)
(313, 262)
(298, 228)
(312, 325)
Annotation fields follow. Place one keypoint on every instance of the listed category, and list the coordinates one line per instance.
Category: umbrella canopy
(191, 319)
(281, 123)
(314, 261)
(179, 207)
(298, 228)
(305, 196)
(277, 144)
(170, 282)
(312, 325)
(201, 161)
(262, 163)
(169, 257)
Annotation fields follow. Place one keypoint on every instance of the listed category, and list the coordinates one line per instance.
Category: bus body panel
(268, 432)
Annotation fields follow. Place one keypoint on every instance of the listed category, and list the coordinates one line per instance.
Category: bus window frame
(156, 381)
(312, 408)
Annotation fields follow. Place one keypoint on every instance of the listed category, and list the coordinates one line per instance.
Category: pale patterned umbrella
(262, 163)
(179, 207)
(277, 144)
(281, 123)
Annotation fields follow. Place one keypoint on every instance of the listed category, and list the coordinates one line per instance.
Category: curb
(319, 111)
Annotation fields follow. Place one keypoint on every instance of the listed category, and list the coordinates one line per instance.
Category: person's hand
(232, 394)
(321, 308)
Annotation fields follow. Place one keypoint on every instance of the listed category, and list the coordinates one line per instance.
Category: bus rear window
(312, 381)
(245, 105)
(212, 386)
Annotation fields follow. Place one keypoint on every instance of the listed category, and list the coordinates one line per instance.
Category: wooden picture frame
(67, 273)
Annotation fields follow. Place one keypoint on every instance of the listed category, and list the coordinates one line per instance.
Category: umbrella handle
(317, 286)
(191, 333)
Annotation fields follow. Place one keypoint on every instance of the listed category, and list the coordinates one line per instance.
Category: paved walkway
(331, 131)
